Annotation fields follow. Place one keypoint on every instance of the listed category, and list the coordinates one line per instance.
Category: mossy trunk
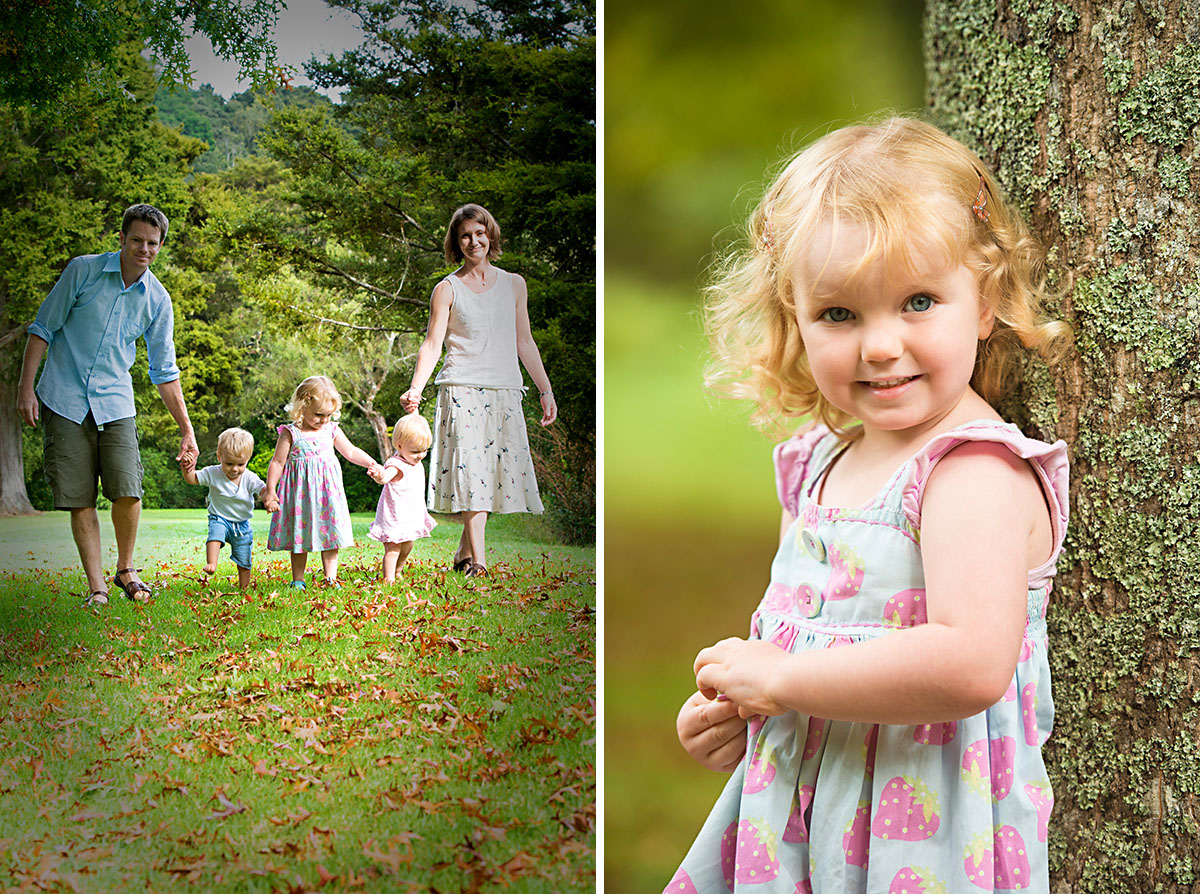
(1088, 114)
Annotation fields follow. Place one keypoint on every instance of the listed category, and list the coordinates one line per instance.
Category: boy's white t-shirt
(233, 501)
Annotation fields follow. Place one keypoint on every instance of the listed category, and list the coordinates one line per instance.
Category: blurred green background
(702, 99)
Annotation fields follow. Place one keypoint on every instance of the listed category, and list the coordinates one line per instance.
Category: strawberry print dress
(829, 807)
(312, 514)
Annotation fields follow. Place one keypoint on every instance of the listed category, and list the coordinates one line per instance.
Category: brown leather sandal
(131, 589)
(463, 565)
(476, 570)
(96, 599)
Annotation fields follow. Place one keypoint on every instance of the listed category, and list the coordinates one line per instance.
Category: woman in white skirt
(480, 462)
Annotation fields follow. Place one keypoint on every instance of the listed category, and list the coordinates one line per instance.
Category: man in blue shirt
(87, 331)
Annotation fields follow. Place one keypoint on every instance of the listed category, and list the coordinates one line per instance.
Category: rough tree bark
(1089, 112)
(14, 500)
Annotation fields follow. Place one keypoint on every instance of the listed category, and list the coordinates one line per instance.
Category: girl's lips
(888, 387)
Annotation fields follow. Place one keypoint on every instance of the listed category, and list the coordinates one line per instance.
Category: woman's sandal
(97, 598)
(464, 565)
(131, 588)
(477, 570)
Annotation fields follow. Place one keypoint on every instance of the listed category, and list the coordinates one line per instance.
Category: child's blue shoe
(297, 585)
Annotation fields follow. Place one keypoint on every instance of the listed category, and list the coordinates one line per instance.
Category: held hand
(27, 406)
(188, 447)
(410, 400)
(549, 408)
(187, 462)
(376, 473)
(711, 731)
(271, 503)
(743, 671)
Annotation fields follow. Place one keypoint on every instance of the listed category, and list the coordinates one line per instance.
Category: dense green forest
(306, 235)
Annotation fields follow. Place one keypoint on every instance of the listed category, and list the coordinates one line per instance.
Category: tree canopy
(48, 48)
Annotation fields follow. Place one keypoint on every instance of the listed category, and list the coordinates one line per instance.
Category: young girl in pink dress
(401, 516)
(312, 513)
(883, 722)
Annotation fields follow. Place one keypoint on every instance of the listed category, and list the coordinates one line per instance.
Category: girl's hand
(376, 473)
(744, 671)
(549, 408)
(410, 400)
(711, 731)
(271, 503)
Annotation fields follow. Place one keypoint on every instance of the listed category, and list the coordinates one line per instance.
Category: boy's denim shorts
(236, 533)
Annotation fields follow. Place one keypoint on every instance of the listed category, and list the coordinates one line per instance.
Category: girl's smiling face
(892, 347)
(316, 415)
(410, 454)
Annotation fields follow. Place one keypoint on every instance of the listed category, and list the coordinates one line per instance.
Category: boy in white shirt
(231, 492)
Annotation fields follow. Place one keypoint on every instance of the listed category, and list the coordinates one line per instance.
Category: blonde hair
(412, 430)
(311, 390)
(234, 443)
(912, 189)
(450, 246)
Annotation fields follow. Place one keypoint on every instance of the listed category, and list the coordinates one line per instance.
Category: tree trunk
(1087, 113)
(13, 498)
(379, 426)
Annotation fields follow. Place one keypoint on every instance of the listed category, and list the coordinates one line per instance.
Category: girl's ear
(987, 318)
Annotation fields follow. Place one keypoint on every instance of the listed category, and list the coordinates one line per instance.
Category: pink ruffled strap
(791, 465)
(1049, 463)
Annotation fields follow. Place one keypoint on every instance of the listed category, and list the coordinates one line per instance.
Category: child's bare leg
(329, 559)
(391, 554)
(243, 577)
(212, 551)
(299, 560)
(402, 553)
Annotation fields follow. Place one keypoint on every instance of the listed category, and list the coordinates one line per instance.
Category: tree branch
(12, 335)
(346, 325)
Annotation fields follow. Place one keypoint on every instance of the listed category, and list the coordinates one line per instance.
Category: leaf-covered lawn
(434, 735)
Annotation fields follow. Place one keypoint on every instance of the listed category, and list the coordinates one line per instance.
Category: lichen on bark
(1088, 113)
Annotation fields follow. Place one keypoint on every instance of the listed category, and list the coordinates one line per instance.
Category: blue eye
(919, 303)
(836, 315)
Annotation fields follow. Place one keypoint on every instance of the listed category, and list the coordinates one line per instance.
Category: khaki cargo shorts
(77, 454)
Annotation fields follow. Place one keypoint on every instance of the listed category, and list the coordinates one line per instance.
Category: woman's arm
(531, 357)
(431, 347)
(979, 517)
(283, 446)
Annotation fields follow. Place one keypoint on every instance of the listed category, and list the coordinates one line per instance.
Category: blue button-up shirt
(92, 322)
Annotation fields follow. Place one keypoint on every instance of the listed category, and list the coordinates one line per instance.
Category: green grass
(433, 735)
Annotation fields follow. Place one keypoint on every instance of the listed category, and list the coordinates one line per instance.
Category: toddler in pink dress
(401, 516)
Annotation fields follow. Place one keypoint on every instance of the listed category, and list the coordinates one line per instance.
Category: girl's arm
(388, 473)
(527, 350)
(984, 523)
(356, 455)
(431, 347)
(283, 447)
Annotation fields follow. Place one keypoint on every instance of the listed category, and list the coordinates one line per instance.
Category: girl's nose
(881, 342)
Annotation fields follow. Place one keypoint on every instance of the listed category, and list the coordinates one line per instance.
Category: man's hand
(27, 405)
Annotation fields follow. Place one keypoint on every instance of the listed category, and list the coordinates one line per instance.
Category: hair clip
(979, 206)
(768, 235)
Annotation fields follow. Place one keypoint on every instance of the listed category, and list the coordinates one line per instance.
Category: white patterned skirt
(480, 460)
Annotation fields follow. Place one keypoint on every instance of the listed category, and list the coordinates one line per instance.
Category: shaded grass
(434, 735)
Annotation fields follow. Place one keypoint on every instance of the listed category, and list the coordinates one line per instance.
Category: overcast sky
(306, 28)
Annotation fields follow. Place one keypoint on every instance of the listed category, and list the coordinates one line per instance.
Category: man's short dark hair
(147, 213)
